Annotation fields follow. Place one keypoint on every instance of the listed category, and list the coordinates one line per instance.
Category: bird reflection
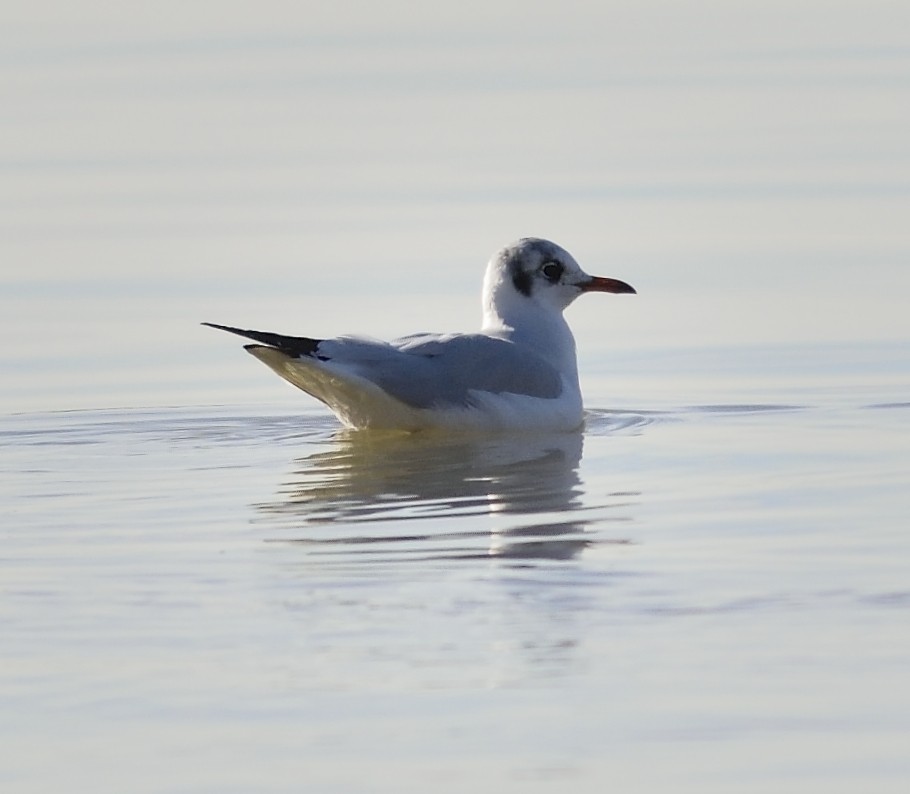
(433, 496)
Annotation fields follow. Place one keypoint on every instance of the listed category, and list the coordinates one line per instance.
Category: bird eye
(552, 271)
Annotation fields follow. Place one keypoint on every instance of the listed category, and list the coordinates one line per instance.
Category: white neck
(528, 323)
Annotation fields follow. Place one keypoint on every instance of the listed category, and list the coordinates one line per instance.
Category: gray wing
(424, 371)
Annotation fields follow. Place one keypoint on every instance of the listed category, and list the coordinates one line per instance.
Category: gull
(519, 373)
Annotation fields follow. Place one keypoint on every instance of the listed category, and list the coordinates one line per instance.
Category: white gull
(518, 373)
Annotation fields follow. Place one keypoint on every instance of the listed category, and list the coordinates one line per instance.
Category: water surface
(263, 597)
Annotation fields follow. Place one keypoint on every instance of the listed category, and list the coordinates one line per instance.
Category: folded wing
(421, 371)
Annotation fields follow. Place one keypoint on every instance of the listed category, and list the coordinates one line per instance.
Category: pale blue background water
(207, 587)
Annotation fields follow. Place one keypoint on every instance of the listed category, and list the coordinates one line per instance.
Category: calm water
(240, 599)
(207, 586)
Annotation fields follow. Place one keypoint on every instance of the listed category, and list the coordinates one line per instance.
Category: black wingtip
(294, 346)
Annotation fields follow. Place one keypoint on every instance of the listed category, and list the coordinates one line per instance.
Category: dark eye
(552, 271)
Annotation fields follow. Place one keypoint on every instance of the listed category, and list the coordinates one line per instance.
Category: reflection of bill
(378, 483)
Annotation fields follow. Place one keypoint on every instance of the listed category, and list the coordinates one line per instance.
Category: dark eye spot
(552, 272)
(520, 278)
